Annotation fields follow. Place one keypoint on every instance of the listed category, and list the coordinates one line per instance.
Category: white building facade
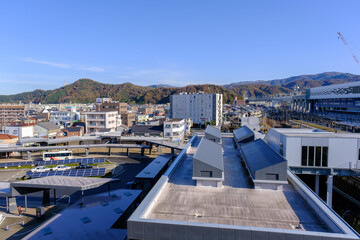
(314, 148)
(64, 118)
(20, 131)
(199, 107)
(102, 121)
(175, 129)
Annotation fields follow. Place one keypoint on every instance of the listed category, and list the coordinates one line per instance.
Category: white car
(40, 169)
(61, 168)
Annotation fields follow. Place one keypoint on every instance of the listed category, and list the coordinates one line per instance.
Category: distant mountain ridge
(87, 90)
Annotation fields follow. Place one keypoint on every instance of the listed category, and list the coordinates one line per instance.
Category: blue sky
(44, 43)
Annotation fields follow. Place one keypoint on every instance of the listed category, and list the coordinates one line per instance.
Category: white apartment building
(175, 129)
(102, 121)
(64, 118)
(199, 107)
(20, 131)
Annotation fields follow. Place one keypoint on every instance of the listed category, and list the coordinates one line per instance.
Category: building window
(206, 173)
(318, 156)
(325, 156)
(304, 156)
(311, 156)
(314, 156)
(281, 149)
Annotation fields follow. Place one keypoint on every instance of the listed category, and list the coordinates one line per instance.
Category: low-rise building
(24, 121)
(128, 119)
(147, 130)
(19, 131)
(315, 148)
(74, 131)
(175, 129)
(6, 139)
(112, 106)
(142, 118)
(102, 121)
(64, 118)
(47, 129)
(146, 110)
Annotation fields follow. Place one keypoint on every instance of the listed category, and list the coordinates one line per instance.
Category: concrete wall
(212, 138)
(293, 152)
(199, 166)
(20, 131)
(342, 151)
(279, 169)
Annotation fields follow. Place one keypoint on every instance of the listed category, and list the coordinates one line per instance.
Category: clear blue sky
(44, 43)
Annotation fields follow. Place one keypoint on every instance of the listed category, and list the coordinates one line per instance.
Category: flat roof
(237, 203)
(91, 221)
(153, 168)
(62, 182)
(175, 120)
(313, 133)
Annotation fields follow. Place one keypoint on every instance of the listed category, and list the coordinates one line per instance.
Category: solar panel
(36, 175)
(89, 172)
(102, 172)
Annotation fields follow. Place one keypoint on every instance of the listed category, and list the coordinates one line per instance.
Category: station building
(316, 152)
(340, 102)
(179, 208)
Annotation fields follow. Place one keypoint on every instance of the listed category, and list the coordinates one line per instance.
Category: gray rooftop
(176, 208)
(210, 153)
(153, 168)
(60, 182)
(313, 133)
(259, 155)
(213, 131)
(48, 126)
(236, 203)
(242, 133)
(102, 211)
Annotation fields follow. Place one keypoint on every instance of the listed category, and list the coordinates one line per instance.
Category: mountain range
(87, 90)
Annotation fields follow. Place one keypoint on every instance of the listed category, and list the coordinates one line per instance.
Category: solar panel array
(70, 161)
(89, 172)
(53, 162)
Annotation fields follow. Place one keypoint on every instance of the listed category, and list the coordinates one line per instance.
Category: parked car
(40, 169)
(61, 168)
(83, 166)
